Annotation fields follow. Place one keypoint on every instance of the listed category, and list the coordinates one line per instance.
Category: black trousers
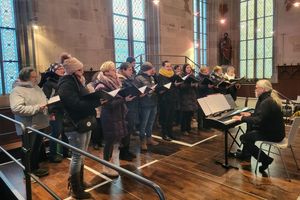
(167, 113)
(186, 120)
(97, 134)
(201, 119)
(35, 144)
(250, 137)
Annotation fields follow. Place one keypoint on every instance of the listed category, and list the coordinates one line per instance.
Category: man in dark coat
(265, 124)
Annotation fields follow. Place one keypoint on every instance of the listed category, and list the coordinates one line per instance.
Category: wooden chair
(284, 144)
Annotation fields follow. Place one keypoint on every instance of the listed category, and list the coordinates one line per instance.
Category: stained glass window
(200, 32)
(9, 66)
(129, 29)
(256, 38)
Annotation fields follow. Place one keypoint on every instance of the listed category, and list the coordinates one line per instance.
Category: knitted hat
(54, 66)
(146, 66)
(72, 65)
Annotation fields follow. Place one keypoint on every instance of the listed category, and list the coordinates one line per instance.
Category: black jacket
(50, 88)
(170, 95)
(188, 97)
(70, 91)
(267, 118)
(203, 89)
(144, 80)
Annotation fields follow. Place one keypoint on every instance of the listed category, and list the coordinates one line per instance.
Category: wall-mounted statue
(225, 49)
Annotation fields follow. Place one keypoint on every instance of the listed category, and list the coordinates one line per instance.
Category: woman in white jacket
(28, 104)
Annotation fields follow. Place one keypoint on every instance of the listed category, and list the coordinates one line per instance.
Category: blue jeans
(80, 141)
(147, 118)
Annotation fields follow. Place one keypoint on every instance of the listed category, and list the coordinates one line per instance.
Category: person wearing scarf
(167, 100)
(71, 88)
(113, 116)
(126, 76)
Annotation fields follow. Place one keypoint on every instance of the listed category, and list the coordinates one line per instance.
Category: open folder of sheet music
(214, 104)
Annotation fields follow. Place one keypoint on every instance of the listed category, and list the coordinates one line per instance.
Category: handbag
(86, 124)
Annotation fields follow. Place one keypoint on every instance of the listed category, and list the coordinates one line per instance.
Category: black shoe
(242, 156)
(40, 172)
(55, 159)
(96, 147)
(132, 155)
(124, 155)
(67, 154)
(167, 138)
(265, 165)
(173, 137)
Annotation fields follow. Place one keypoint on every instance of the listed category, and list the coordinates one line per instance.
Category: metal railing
(26, 149)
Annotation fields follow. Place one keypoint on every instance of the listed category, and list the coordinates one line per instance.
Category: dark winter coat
(203, 89)
(167, 96)
(70, 91)
(148, 100)
(50, 88)
(267, 118)
(188, 97)
(113, 114)
(129, 82)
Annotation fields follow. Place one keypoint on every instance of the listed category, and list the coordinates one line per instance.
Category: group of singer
(119, 118)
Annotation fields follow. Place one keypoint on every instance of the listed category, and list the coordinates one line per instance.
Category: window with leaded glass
(129, 29)
(200, 32)
(256, 38)
(9, 66)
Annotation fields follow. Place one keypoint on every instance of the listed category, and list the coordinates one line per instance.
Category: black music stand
(225, 164)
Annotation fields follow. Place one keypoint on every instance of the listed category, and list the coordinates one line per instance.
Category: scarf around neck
(167, 73)
(112, 83)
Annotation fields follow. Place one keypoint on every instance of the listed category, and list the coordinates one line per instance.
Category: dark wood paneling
(7, 127)
(288, 83)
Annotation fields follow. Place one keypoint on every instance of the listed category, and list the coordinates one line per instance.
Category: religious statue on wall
(225, 49)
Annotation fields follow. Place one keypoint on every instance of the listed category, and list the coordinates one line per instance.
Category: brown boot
(114, 160)
(150, 141)
(144, 145)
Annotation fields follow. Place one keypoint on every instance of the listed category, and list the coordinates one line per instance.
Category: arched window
(9, 66)
(129, 28)
(256, 38)
(200, 32)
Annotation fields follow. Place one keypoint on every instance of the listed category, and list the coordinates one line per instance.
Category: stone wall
(82, 28)
(287, 35)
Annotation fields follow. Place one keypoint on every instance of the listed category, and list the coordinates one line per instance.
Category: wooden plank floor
(184, 170)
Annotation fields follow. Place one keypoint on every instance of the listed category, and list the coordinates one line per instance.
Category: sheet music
(168, 85)
(185, 77)
(114, 92)
(142, 89)
(214, 104)
(205, 107)
(153, 87)
(53, 99)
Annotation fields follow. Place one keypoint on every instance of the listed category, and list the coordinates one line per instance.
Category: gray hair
(24, 74)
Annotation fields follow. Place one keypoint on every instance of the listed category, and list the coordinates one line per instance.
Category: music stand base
(226, 166)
